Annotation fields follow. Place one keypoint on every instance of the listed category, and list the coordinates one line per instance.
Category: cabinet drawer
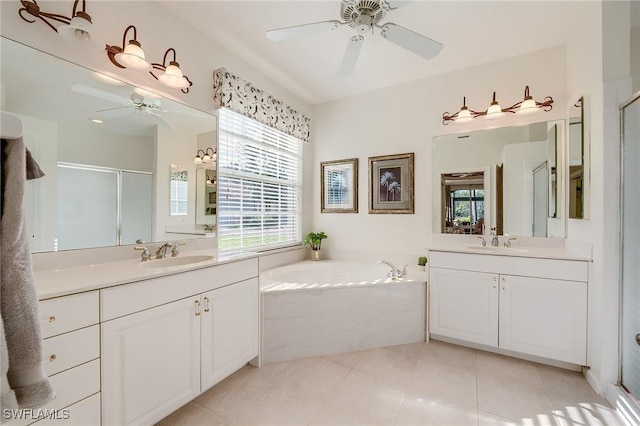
(70, 349)
(68, 313)
(71, 386)
(83, 413)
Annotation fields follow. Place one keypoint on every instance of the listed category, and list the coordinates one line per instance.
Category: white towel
(18, 298)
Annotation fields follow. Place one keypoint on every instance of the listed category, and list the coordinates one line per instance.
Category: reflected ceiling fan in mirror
(364, 16)
(135, 104)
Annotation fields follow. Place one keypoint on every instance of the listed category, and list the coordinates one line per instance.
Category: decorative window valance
(239, 95)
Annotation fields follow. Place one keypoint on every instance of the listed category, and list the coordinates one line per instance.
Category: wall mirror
(576, 160)
(505, 179)
(107, 180)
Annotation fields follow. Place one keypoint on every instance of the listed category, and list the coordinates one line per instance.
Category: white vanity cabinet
(530, 306)
(159, 353)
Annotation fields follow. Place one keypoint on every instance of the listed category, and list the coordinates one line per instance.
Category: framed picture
(391, 184)
(339, 186)
(212, 197)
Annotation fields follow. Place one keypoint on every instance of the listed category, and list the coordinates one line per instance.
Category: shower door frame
(631, 397)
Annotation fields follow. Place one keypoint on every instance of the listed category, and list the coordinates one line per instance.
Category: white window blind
(259, 185)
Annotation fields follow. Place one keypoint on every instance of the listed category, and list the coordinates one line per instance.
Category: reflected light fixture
(130, 55)
(525, 106)
(78, 26)
(206, 157)
(172, 74)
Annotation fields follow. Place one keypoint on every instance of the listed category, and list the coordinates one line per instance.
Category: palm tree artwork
(390, 184)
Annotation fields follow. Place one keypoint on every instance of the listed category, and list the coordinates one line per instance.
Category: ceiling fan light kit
(364, 16)
(76, 27)
(525, 106)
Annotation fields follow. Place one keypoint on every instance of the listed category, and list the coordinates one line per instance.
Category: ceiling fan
(364, 16)
(135, 104)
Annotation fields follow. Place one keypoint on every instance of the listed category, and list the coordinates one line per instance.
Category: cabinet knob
(52, 318)
(52, 358)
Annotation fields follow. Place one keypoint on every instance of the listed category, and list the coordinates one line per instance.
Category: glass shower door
(630, 274)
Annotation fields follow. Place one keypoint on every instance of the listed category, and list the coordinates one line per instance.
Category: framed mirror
(104, 142)
(576, 160)
(506, 178)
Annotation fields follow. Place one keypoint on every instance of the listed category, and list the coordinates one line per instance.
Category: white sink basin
(175, 261)
(505, 250)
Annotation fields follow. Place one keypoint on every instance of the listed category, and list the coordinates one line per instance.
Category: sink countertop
(64, 281)
(541, 252)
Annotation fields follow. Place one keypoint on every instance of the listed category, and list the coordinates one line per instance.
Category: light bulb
(172, 77)
(133, 57)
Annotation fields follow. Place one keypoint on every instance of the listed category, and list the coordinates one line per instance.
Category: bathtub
(318, 308)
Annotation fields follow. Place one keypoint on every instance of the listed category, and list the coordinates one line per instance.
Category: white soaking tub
(317, 308)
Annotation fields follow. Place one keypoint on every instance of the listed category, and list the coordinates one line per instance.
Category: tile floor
(417, 384)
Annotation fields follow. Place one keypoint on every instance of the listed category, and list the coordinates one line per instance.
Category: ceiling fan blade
(351, 54)
(302, 30)
(161, 120)
(109, 114)
(412, 41)
(97, 93)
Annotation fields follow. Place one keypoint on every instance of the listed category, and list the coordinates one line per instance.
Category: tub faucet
(394, 273)
(494, 240)
(161, 253)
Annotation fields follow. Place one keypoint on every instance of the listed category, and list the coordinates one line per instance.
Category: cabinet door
(544, 317)
(464, 305)
(150, 363)
(229, 330)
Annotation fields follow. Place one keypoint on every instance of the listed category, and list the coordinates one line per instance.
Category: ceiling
(473, 32)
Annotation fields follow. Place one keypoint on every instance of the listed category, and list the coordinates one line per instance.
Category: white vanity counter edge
(65, 281)
(540, 252)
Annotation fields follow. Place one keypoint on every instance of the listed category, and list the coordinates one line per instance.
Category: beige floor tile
(394, 363)
(445, 382)
(362, 399)
(417, 409)
(347, 359)
(449, 354)
(515, 400)
(507, 368)
(567, 385)
(490, 419)
(586, 413)
(193, 414)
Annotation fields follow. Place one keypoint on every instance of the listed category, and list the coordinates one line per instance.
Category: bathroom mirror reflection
(179, 190)
(206, 198)
(576, 160)
(505, 179)
(126, 151)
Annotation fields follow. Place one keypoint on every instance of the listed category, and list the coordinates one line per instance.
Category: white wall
(405, 118)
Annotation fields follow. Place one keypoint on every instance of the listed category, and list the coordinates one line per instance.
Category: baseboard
(626, 407)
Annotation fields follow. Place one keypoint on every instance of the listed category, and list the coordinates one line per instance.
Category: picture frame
(339, 186)
(212, 197)
(391, 184)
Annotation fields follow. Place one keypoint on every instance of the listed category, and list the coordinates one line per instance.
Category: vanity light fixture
(206, 157)
(77, 26)
(172, 74)
(130, 55)
(526, 105)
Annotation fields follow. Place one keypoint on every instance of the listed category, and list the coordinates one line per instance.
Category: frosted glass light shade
(133, 57)
(527, 106)
(494, 111)
(197, 160)
(172, 77)
(79, 28)
(464, 115)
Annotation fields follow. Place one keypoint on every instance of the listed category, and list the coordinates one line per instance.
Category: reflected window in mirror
(179, 190)
(206, 198)
(576, 160)
(463, 203)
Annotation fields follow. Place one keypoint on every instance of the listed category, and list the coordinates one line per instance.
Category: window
(259, 185)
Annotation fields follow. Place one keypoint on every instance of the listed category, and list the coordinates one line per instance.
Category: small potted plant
(314, 239)
(422, 262)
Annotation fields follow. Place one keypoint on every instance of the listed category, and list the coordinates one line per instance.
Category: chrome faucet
(209, 228)
(394, 273)
(161, 253)
(483, 242)
(145, 253)
(494, 239)
(175, 251)
(507, 242)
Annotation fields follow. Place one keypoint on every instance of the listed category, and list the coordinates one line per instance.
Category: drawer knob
(52, 318)
(52, 358)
